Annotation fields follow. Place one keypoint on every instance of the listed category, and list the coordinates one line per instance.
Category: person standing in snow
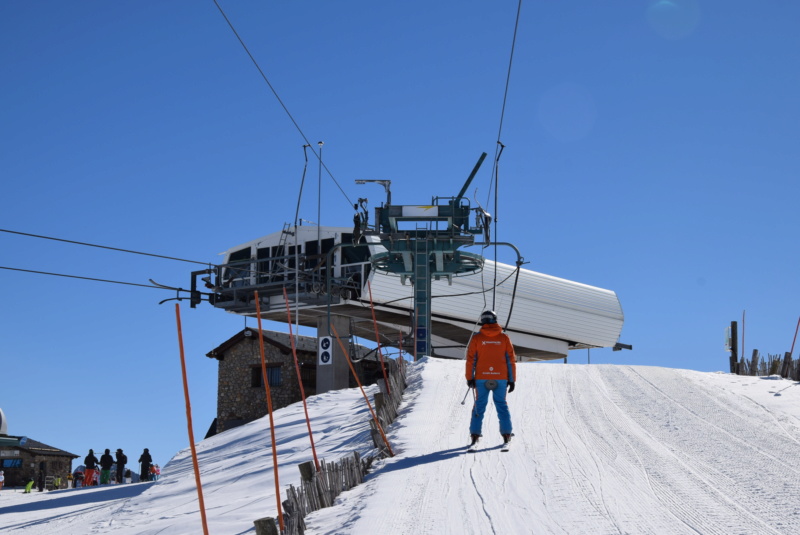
(106, 462)
(122, 460)
(2, 479)
(145, 461)
(90, 464)
(491, 367)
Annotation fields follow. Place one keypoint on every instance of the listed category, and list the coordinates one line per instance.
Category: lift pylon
(422, 245)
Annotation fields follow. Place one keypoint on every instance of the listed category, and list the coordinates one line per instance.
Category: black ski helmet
(490, 316)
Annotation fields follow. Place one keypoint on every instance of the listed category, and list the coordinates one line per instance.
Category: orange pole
(300, 379)
(378, 339)
(269, 409)
(369, 405)
(402, 359)
(189, 424)
(795, 337)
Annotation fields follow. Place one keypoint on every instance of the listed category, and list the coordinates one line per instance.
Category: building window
(12, 463)
(273, 376)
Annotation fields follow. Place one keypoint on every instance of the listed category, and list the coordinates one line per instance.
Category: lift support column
(333, 373)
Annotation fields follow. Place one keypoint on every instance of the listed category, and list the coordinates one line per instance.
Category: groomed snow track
(598, 450)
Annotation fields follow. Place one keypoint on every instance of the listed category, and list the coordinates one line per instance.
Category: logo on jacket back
(494, 342)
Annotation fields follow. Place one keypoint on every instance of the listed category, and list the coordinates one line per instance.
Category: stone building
(240, 388)
(22, 458)
(26, 460)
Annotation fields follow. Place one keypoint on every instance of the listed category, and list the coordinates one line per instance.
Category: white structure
(548, 315)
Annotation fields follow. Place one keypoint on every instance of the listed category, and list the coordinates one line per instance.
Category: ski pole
(465, 396)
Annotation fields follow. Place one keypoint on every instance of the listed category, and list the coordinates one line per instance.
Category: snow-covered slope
(598, 449)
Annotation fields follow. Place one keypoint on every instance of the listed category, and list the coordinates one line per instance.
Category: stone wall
(238, 400)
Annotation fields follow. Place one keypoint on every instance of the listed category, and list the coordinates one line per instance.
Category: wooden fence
(758, 365)
(320, 489)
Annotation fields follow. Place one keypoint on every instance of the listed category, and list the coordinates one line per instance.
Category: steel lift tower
(422, 244)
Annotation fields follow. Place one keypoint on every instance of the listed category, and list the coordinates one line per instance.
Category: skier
(122, 460)
(106, 462)
(90, 463)
(491, 367)
(2, 479)
(145, 460)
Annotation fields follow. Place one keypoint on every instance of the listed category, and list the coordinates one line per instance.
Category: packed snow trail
(597, 449)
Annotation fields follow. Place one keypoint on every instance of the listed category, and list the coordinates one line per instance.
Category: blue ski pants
(500, 404)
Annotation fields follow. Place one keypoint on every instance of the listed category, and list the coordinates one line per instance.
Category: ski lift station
(409, 274)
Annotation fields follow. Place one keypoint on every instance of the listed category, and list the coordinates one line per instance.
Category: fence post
(266, 526)
(380, 401)
(787, 365)
(307, 470)
(734, 348)
(754, 363)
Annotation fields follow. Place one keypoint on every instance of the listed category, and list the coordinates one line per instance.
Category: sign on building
(325, 350)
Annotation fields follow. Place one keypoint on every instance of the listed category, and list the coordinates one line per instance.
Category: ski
(473, 445)
(506, 442)
(505, 446)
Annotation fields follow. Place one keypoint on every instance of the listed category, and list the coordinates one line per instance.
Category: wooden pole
(269, 409)
(300, 380)
(741, 352)
(369, 405)
(754, 363)
(734, 348)
(787, 361)
(189, 424)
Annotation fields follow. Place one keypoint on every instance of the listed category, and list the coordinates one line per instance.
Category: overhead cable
(83, 278)
(499, 147)
(105, 247)
(280, 101)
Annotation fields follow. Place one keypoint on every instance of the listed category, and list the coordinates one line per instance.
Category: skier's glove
(511, 386)
(471, 383)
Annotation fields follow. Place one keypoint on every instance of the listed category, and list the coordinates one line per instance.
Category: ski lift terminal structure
(426, 292)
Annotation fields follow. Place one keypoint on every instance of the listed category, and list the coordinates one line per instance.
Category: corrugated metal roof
(543, 305)
(549, 315)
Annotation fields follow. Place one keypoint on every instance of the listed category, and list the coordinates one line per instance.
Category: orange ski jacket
(490, 355)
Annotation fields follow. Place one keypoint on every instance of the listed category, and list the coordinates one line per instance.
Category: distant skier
(146, 461)
(491, 367)
(122, 460)
(90, 463)
(106, 462)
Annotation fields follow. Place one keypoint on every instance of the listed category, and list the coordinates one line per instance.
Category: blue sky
(650, 150)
